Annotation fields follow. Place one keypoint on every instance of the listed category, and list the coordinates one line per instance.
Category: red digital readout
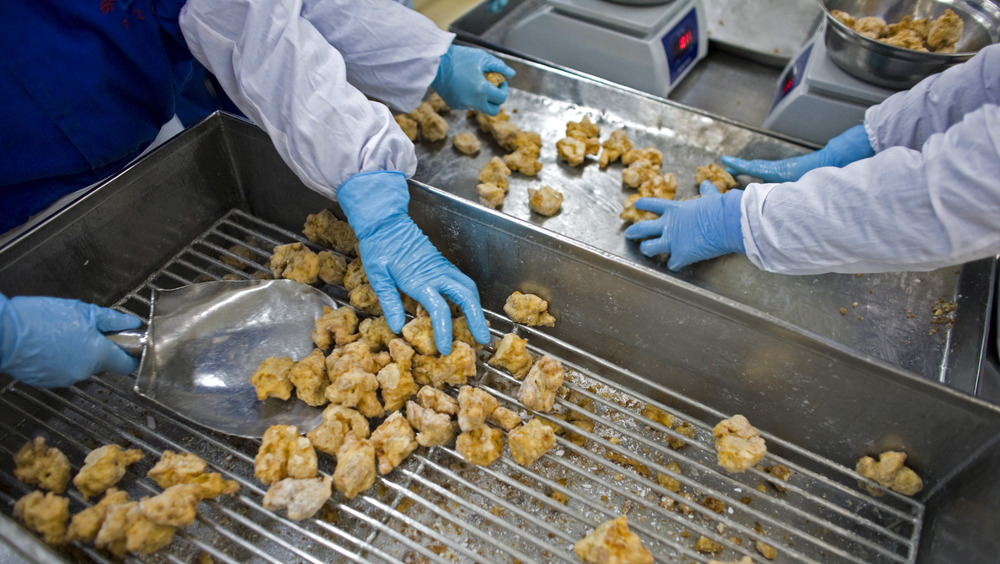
(684, 40)
(788, 84)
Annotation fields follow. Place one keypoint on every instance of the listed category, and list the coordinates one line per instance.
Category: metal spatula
(204, 341)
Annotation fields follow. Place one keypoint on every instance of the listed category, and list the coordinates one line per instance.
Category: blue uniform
(85, 87)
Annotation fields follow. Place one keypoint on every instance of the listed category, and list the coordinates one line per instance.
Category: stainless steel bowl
(897, 67)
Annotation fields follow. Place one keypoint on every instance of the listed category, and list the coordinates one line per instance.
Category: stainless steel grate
(436, 507)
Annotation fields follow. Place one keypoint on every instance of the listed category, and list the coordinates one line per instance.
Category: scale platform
(646, 47)
(816, 100)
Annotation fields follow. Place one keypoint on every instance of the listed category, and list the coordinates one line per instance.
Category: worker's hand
(496, 5)
(691, 230)
(395, 253)
(851, 145)
(461, 84)
(54, 343)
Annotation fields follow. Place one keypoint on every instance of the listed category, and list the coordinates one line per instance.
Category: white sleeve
(908, 118)
(899, 210)
(392, 52)
(281, 72)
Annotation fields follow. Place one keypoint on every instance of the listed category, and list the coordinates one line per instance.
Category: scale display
(681, 45)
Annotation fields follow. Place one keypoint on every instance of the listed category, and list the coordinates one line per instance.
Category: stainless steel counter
(886, 316)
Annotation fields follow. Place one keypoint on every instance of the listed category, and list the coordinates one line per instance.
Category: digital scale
(647, 45)
(816, 100)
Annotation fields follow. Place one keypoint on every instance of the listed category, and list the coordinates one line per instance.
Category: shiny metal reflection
(205, 341)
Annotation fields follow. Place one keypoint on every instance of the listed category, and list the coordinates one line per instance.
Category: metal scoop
(204, 341)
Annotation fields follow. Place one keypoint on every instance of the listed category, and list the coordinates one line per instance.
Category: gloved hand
(851, 145)
(496, 5)
(54, 343)
(461, 84)
(691, 230)
(397, 254)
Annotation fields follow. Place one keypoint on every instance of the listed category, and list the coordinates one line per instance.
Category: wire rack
(435, 507)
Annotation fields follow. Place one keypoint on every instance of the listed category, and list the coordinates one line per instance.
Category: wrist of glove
(851, 145)
(461, 84)
(396, 254)
(53, 342)
(691, 230)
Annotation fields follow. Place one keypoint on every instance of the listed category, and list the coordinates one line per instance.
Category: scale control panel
(681, 45)
(792, 76)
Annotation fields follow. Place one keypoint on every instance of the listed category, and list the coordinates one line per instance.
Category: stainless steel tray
(886, 316)
(169, 219)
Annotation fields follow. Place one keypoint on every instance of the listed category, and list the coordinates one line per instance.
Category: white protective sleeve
(929, 198)
(910, 117)
(286, 77)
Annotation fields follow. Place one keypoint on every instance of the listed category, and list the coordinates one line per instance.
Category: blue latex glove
(461, 84)
(851, 145)
(397, 254)
(496, 5)
(54, 343)
(691, 230)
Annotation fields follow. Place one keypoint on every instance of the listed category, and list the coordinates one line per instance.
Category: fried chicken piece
(650, 154)
(103, 467)
(545, 200)
(612, 543)
(474, 406)
(538, 391)
(37, 464)
(716, 175)
(271, 378)
(525, 159)
(176, 506)
(438, 103)
(945, 31)
(466, 142)
(869, 26)
(325, 229)
(491, 195)
(507, 419)
(907, 39)
(453, 369)
(530, 441)
(659, 186)
(332, 267)
(616, 145)
(402, 354)
(337, 421)
(302, 497)
(495, 78)
(397, 386)
(487, 122)
(890, 473)
(187, 468)
(419, 333)
(309, 378)
(639, 172)
(460, 332)
(432, 126)
(432, 428)
(364, 299)
(352, 356)
(631, 214)
(376, 334)
(355, 275)
(528, 309)
(127, 529)
(46, 514)
(843, 17)
(284, 453)
(356, 388)
(336, 326)
(512, 354)
(355, 471)
(506, 134)
(571, 150)
(586, 131)
(480, 446)
(495, 172)
(738, 444)
(242, 252)
(85, 524)
(433, 398)
(393, 440)
(409, 126)
(295, 262)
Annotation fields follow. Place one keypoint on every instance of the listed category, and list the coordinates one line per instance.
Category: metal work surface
(819, 405)
(767, 31)
(436, 506)
(887, 316)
